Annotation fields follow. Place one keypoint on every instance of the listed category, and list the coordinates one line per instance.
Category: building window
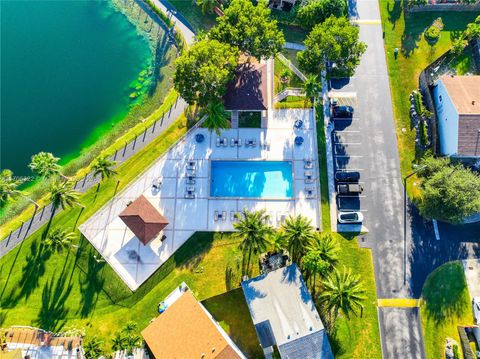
(440, 98)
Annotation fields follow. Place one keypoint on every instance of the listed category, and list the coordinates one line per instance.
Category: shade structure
(143, 219)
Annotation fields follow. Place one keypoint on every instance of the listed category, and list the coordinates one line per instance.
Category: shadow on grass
(416, 23)
(52, 315)
(237, 323)
(394, 12)
(444, 292)
(91, 283)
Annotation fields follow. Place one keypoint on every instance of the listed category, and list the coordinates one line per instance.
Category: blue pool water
(252, 179)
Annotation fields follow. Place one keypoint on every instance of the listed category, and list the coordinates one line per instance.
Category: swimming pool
(251, 179)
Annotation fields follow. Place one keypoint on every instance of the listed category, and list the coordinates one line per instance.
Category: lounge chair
(308, 173)
(308, 180)
(239, 142)
(190, 189)
(310, 196)
(218, 142)
(224, 216)
(215, 216)
(254, 142)
(308, 165)
(232, 142)
(225, 142)
(190, 181)
(190, 195)
(233, 217)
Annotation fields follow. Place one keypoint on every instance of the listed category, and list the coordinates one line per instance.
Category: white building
(457, 102)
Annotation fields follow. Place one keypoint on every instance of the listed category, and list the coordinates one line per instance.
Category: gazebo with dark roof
(248, 91)
(143, 219)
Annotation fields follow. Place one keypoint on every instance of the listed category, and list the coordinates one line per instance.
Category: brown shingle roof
(469, 135)
(464, 91)
(143, 219)
(248, 91)
(185, 330)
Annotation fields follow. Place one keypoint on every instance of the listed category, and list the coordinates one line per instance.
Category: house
(457, 104)
(284, 315)
(185, 329)
(28, 342)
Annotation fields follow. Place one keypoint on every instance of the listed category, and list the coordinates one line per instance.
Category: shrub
(432, 33)
(423, 133)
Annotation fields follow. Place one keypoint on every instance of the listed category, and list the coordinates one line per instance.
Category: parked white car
(350, 217)
(476, 310)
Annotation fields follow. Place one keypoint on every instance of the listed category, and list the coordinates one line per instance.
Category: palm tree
(311, 87)
(63, 195)
(45, 164)
(298, 232)
(92, 348)
(254, 231)
(130, 327)
(118, 342)
(207, 6)
(58, 240)
(277, 241)
(342, 292)
(217, 117)
(104, 167)
(8, 188)
(326, 248)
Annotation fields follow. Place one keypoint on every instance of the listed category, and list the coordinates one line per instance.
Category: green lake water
(66, 67)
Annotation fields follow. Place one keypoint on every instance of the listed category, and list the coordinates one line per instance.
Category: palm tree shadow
(395, 12)
(52, 315)
(91, 283)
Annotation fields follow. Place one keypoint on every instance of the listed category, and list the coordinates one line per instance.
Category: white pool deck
(115, 242)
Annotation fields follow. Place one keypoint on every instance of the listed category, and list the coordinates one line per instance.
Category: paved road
(368, 143)
(372, 148)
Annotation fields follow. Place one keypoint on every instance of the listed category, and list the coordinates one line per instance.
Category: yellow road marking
(398, 302)
(367, 21)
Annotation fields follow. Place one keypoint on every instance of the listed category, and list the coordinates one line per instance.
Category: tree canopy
(250, 28)
(337, 41)
(203, 72)
(317, 11)
(450, 192)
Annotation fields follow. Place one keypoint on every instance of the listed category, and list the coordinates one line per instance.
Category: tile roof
(464, 91)
(143, 219)
(248, 91)
(186, 330)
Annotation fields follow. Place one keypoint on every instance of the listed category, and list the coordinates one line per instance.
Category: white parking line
(346, 119)
(352, 196)
(349, 169)
(348, 156)
(348, 143)
(356, 210)
(345, 131)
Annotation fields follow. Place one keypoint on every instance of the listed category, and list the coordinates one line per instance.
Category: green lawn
(249, 119)
(357, 337)
(237, 323)
(445, 305)
(293, 33)
(406, 34)
(294, 80)
(63, 290)
(193, 14)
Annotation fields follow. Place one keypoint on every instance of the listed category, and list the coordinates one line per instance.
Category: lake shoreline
(108, 132)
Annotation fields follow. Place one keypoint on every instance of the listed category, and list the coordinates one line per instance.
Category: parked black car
(347, 176)
(342, 111)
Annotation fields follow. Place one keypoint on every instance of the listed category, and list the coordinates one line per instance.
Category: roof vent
(311, 328)
(473, 102)
(202, 355)
(213, 350)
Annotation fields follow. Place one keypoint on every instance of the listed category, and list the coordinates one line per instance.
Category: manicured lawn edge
(445, 304)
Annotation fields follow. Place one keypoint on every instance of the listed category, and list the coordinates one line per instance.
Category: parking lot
(348, 152)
